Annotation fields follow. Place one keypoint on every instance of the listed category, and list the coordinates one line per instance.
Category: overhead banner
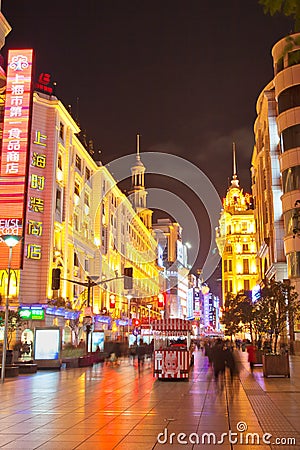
(14, 152)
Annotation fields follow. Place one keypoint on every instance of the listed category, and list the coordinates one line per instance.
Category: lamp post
(10, 241)
(129, 297)
(149, 309)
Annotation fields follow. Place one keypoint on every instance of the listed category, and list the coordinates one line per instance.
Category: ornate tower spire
(138, 193)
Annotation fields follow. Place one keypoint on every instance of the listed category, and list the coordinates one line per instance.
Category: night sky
(184, 74)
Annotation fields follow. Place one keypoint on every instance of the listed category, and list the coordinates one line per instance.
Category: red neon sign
(13, 168)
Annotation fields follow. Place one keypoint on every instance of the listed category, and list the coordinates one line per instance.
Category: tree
(14, 323)
(278, 304)
(289, 8)
(230, 317)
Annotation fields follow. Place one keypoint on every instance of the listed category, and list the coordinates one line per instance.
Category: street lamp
(129, 297)
(10, 241)
(149, 309)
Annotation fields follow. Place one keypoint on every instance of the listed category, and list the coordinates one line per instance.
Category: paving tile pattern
(105, 408)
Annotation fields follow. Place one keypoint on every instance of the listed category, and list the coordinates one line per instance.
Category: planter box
(258, 358)
(11, 371)
(71, 363)
(276, 365)
(27, 368)
(85, 361)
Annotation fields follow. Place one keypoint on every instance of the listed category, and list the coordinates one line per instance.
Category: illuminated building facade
(276, 168)
(76, 219)
(235, 238)
(286, 62)
(267, 190)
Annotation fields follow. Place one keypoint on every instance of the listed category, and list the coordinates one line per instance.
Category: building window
(87, 174)
(76, 222)
(86, 199)
(293, 262)
(76, 260)
(291, 220)
(291, 179)
(78, 162)
(225, 265)
(76, 188)
(61, 130)
(58, 200)
(294, 58)
(230, 286)
(279, 65)
(59, 161)
(246, 285)
(229, 265)
(226, 286)
(245, 248)
(246, 266)
(244, 227)
(289, 98)
(290, 138)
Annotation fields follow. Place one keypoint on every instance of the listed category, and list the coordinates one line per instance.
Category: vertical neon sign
(13, 168)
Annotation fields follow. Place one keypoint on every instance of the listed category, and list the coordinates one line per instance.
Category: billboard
(14, 151)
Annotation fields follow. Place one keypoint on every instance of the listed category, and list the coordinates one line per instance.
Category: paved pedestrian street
(104, 407)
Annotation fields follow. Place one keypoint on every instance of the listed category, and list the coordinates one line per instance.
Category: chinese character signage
(13, 168)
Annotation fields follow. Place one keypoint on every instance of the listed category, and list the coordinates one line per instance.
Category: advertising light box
(47, 343)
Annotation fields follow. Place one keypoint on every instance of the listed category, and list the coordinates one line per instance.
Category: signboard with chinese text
(13, 168)
(32, 313)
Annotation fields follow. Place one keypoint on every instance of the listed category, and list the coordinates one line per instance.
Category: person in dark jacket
(230, 362)
(218, 358)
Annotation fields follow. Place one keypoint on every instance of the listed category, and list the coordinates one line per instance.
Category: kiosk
(172, 348)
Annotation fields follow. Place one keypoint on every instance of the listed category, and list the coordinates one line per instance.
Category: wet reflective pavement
(104, 407)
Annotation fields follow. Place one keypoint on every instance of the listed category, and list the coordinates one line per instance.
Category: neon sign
(13, 168)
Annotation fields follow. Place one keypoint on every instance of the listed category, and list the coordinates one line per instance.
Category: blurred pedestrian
(230, 362)
(218, 358)
(251, 350)
(140, 351)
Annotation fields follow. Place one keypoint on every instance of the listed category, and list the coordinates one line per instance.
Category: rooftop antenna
(138, 147)
(234, 161)
(234, 181)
